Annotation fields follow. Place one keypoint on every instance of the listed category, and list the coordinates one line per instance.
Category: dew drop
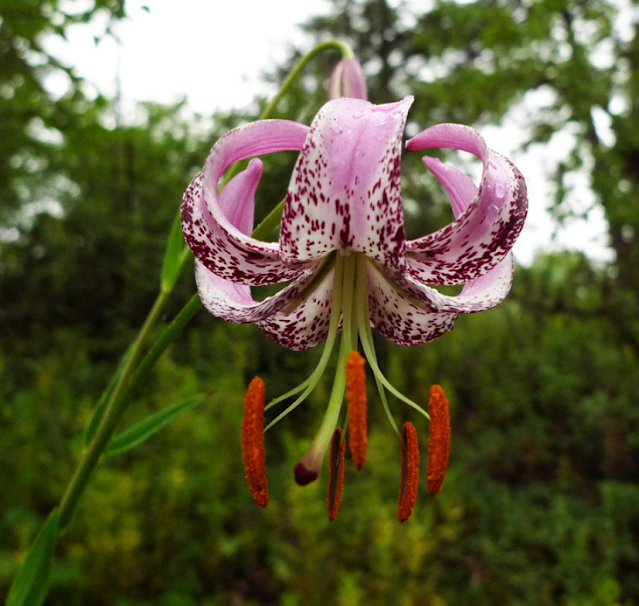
(336, 129)
(358, 115)
(500, 191)
(386, 107)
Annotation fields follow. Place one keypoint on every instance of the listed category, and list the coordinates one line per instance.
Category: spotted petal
(233, 302)
(479, 294)
(400, 317)
(484, 234)
(208, 219)
(345, 190)
(304, 322)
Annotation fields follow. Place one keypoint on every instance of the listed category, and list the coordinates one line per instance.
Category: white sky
(213, 52)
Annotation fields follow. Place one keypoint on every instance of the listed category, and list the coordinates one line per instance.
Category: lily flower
(342, 242)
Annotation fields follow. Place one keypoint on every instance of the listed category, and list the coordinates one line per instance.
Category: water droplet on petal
(500, 191)
(386, 107)
(358, 115)
(336, 129)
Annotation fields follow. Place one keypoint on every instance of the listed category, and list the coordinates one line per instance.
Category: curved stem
(110, 419)
(342, 47)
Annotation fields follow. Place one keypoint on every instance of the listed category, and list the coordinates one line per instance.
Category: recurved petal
(400, 317)
(458, 185)
(485, 232)
(217, 227)
(304, 322)
(345, 189)
(237, 199)
(479, 294)
(233, 302)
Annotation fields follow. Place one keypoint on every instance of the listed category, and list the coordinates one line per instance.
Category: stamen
(335, 473)
(410, 473)
(439, 440)
(253, 441)
(356, 397)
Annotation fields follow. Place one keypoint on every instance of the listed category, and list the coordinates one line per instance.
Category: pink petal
(216, 227)
(233, 302)
(479, 294)
(237, 199)
(305, 321)
(483, 235)
(345, 190)
(458, 185)
(401, 318)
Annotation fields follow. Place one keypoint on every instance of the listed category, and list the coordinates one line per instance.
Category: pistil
(307, 470)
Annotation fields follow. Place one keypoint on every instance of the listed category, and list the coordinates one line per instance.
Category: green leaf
(31, 584)
(142, 431)
(173, 256)
(105, 398)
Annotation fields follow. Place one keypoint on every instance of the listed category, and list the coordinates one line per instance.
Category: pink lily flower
(342, 240)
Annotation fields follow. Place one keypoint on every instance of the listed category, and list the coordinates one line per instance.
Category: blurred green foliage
(541, 504)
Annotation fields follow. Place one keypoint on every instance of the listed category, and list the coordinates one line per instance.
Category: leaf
(105, 398)
(173, 255)
(142, 431)
(31, 584)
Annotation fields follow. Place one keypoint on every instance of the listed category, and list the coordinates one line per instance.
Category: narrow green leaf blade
(31, 584)
(142, 431)
(173, 256)
(98, 412)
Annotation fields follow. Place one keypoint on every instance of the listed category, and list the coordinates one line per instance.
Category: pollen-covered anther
(439, 440)
(410, 472)
(253, 441)
(356, 398)
(335, 473)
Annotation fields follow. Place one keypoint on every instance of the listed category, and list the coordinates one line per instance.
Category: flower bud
(347, 80)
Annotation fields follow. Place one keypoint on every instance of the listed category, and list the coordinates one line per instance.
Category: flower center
(350, 308)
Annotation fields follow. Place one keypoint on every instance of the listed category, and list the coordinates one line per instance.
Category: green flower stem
(111, 418)
(129, 380)
(342, 47)
(269, 223)
(170, 333)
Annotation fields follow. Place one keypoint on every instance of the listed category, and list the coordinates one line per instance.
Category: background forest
(541, 503)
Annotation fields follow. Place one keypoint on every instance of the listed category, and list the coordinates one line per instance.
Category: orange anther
(335, 473)
(410, 473)
(439, 440)
(356, 398)
(253, 441)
